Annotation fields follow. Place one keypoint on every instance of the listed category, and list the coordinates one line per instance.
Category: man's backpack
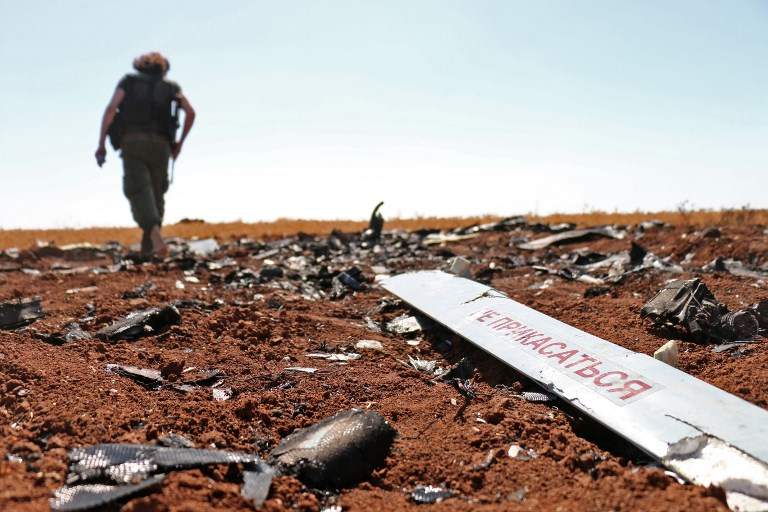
(150, 105)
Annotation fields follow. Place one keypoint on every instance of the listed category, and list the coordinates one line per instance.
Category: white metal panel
(651, 404)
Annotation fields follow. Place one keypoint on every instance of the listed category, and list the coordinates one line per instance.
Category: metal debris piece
(197, 304)
(150, 379)
(222, 394)
(257, 482)
(140, 291)
(429, 494)
(517, 452)
(668, 353)
(141, 323)
(86, 289)
(444, 238)
(348, 356)
(338, 451)
(301, 369)
(537, 396)
(91, 496)
(9, 266)
(459, 266)
(270, 272)
(760, 310)
(651, 404)
(105, 473)
(20, 313)
(506, 224)
(369, 345)
(691, 305)
(518, 495)
(709, 461)
(725, 347)
(734, 267)
(72, 332)
(375, 224)
(344, 282)
(130, 463)
(569, 237)
(404, 324)
(462, 370)
(175, 441)
(154, 379)
(203, 248)
(425, 366)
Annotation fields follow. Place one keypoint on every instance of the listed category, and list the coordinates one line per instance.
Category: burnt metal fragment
(269, 272)
(346, 281)
(154, 379)
(429, 494)
(760, 310)
(20, 313)
(73, 332)
(148, 378)
(596, 291)
(462, 370)
(690, 304)
(338, 451)
(197, 304)
(141, 323)
(375, 224)
(139, 292)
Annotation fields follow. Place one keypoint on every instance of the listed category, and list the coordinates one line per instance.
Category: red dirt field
(53, 398)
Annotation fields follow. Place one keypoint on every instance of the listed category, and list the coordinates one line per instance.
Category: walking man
(141, 119)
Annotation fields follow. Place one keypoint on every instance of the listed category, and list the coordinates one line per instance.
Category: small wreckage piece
(429, 494)
(105, 473)
(141, 323)
(337, 452)
(690, 304)
(154, 379)
(708, 436)
(72, 332)
(20, 313)
(571, 237)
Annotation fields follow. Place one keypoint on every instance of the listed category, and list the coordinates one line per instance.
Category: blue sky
(319, 109)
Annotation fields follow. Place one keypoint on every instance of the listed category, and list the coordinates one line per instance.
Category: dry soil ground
(54, 397)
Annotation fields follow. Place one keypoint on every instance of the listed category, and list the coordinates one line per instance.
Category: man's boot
(158, 245)
(146, 243)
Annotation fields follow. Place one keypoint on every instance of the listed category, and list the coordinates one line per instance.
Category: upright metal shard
(705, 434)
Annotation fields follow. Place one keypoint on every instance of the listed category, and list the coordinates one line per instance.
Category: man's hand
(101, 155)
(175, 150)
